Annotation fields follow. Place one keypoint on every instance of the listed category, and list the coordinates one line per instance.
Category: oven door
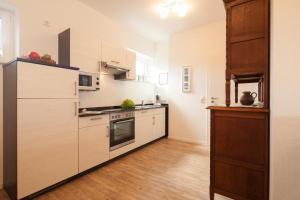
(122, 133)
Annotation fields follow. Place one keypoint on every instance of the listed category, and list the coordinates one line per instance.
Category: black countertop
(113, 109)
(40, 63)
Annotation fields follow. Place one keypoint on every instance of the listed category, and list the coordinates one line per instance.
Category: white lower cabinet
(159, 126)
(149, 126)
(143, 129)
(47, 143)
(93, 146)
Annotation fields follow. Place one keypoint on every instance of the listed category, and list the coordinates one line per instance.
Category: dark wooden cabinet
(239, 152)
(240, 135)
(248, 30)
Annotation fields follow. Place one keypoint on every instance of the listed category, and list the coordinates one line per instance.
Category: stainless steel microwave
(89, 81)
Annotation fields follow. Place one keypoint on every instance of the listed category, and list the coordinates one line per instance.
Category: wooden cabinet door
(159, 126)
(247, 20)
(113, 54)
(39, 81)
(47, 143)
(93, 146)
(131, 65)
(143, 129)
(248, 36)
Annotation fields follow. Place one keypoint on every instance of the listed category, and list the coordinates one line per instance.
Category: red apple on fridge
(34, 56)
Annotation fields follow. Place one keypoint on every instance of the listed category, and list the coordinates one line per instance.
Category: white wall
(285, 95)
(161, 65)
(92, 27)
(203, 48)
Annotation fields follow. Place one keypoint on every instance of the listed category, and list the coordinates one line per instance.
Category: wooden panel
(241, 136)
(247, 20)
(238, 180)
(64, 42)
(48, 82)
(248, 55)
(47, 143)
(10, 129)
(93, 146)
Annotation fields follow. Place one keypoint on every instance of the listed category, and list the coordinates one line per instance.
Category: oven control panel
(121, 115)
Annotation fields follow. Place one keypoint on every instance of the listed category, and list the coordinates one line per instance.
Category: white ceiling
(143, 15)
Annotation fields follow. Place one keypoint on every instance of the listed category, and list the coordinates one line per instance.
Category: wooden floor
(167, 169)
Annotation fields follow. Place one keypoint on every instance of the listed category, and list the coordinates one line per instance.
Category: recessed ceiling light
(175, 7)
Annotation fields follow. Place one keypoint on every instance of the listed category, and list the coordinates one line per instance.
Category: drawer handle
(117, 62)
(75, 88)
(97, 118)
(144, 111)
(108, 131)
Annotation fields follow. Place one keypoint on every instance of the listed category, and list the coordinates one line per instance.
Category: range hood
(111, 69)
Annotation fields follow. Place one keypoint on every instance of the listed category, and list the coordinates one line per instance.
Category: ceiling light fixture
(176, 7)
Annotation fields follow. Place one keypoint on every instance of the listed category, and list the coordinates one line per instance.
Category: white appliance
(89, 81)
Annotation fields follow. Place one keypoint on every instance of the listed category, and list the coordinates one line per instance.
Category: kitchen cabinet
(93, 145)
(40, 81)
(47, 148)
(143, 128)
(40, 126)
(131, 65)
(150, 125)
(159, 126)
(113, 54)
(76, 50)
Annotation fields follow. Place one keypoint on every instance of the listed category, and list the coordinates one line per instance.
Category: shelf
(239, 109)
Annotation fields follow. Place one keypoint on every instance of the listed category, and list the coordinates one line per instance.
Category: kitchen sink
(147, 106)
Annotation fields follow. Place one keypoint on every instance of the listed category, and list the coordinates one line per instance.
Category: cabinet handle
(108, 131)
(75, 88)
(144, 111)
(96, 118)
(113, 61)
(99, 66)
(153, 120)
(75, 106)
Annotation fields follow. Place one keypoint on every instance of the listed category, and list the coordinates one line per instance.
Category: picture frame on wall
(163, 78)
(186, 79)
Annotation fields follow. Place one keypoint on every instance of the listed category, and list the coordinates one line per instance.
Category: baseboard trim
(188, 140)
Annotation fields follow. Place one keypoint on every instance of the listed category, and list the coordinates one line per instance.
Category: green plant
(128, 104)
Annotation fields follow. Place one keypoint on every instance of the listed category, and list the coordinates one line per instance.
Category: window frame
(147, 74)
(8, 35)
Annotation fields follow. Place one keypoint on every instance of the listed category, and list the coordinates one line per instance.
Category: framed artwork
(186, 79)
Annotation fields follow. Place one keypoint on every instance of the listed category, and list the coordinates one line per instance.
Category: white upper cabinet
(85, 53)
(39, 81)
(131, 65)
(113, 54)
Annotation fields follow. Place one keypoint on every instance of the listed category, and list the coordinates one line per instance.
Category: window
(1, 39)
(144, 68)
(6, 35)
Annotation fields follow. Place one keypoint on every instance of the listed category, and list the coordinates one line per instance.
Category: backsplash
(113, 92)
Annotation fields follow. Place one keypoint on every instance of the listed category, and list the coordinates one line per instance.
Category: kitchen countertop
(113, 109)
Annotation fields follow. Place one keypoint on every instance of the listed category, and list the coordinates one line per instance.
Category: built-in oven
(89, 81)
(122, 129)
